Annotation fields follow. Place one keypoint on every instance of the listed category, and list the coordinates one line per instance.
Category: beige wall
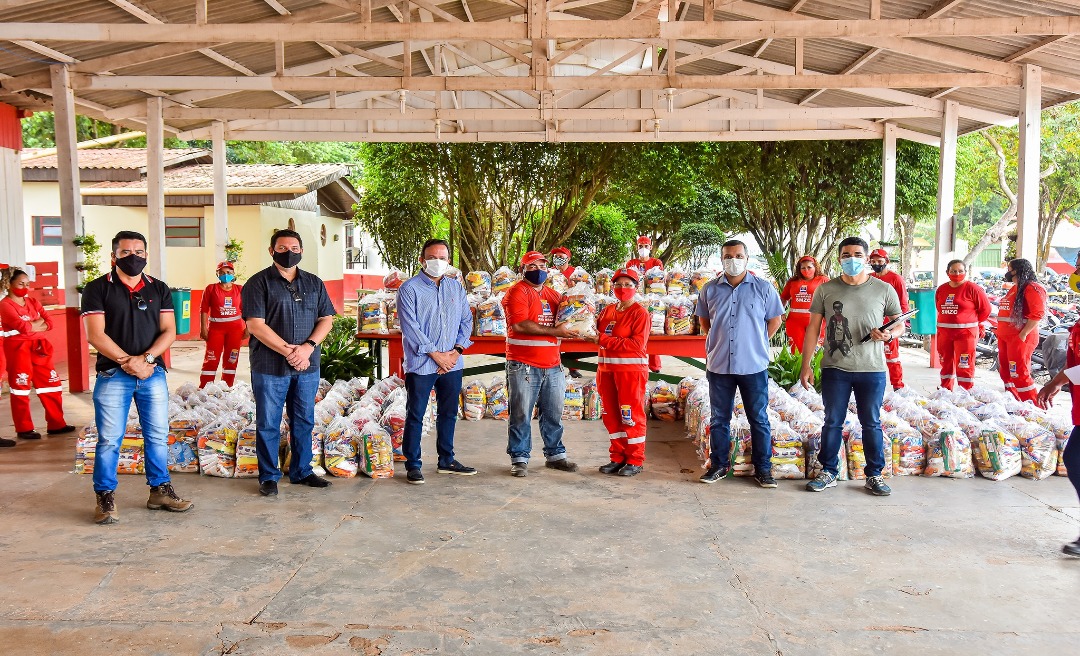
(327, 262)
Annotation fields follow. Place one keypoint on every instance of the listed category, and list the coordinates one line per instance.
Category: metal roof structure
(543, 70)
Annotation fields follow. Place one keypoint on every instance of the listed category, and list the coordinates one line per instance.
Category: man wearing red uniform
(222, 327)
(533, 370)
(798, 293)
(560, 257)
(1019, 314)
(643, 262)
(962, 306)
(879, 262)
(622, 374)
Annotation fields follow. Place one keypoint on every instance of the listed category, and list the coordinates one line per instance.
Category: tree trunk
(993, 234)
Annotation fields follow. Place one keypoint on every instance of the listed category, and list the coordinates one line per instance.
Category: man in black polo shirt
(129, 320)
(288, 314)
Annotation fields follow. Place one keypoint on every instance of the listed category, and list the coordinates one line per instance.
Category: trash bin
(925, 322)
(181, 298)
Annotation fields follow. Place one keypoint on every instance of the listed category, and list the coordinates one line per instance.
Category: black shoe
(612, 467)
(6, 442)
(268, 488)
(631, 470)
(1072, 549)
(574, 373)
(311, 480)
(519, 469)
(765, 480)
(29, 435)
(714, 474)
(456, 467)
(562, 465)
(61, 431)
(415, 477)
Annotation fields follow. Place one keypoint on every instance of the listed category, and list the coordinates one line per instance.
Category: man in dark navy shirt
(130, 321)
(288, 314)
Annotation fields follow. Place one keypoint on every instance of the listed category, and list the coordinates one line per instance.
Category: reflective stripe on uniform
(209, 373)
(616, 436)
(800, 311)
(228, 371)
(49, 390)
(958, 325)
(223, 319)
(603, 360)
(964, 380)
(635, 440)
(1029, 388)
(530, 342)
(947, 376)
(891, 360)
(19, 392)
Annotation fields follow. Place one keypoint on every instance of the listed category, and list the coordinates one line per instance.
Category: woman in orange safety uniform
(962, 306)
(1019, 314)
(797, 293)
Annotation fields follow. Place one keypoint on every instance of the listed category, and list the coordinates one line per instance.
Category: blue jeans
(531, 386)
(447, 391)
(113, 393)
(297, 394)
(755, 395)
(836, 388)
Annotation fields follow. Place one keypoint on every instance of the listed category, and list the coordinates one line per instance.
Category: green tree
(917, 168)
(602, 239)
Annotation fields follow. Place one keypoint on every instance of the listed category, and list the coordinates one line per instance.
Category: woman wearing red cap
(622, 374)
(962, 306)
(221, 326)
(643, 262)
(798, 292)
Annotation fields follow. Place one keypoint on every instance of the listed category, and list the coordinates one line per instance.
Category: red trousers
(1014, 362)
(892, 361)
(956, 348)
(30, 366)
(219, 342)
(621, 393)
(654, 363)
(795, 327)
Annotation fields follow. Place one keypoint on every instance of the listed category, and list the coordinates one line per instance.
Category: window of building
(47, 231)
(183, 231)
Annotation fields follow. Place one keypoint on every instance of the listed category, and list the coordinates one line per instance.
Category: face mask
(808, 274)
(20, 291)
(734, 266)
(853, 266)
(287, 259)
(1008, 276)
(957, 277)
(131, 265)
(226, 277)
(436, 268)
(643, 253)
(879, 268)
(535, 277)
(560, 260)
(624, 293)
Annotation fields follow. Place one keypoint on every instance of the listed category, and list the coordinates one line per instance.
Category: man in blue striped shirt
(436, 323)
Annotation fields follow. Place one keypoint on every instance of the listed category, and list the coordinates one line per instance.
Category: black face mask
(131, 265)
(879, 268)
(287, 259)
(1008, 276)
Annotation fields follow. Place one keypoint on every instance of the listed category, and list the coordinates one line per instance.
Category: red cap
(632, 274)
(561, 250)
(225, 265)
(532, 257)
(644, 241)
(879, 252)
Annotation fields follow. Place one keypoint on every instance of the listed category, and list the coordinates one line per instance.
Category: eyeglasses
(141, 303)
(295, 293)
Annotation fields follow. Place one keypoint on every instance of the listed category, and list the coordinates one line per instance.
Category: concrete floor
(552, 564)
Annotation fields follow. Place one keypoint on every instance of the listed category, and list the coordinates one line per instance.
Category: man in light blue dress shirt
(740, 312)
(436, 323)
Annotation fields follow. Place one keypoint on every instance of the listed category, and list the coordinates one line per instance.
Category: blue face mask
(853, 266)
(226, 277)
(535, 277)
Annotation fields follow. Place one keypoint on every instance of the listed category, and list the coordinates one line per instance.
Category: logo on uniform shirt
(949, 306)
(965, 360)
(610, 327)
(228, 301)
(802, 289)
(1012, 368)
(22, 380)
(234, 355)
(547, 317)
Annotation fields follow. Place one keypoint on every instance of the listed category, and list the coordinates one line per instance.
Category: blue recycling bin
(181, 298)
(922, 299)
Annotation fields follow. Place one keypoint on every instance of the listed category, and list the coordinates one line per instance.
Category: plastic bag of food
(376, 453)
(741, 454)
(573, 400)
(677, 282)
(489, 319)
(503, 279)
(602, 301)
(247, 459)
(853, 441)
(393, 322)
(339, 445)
(557, 281)
(497, 405)
(602, 281)
(663, 401)
(686, 385)
(679, 318)
(577, 310)
(1038, 451)
(217, 450)
(371, 314)
(394, 279)
(580, 276)
(182, 452)
(393, 421)
(788, 454)
(655, 281)
(593, 407)
(997, 453)
(473, 400)
(698, 279)
(454, 273)
(479, 283)
(657, 309)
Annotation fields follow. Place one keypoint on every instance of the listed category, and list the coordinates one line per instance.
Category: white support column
(945, 233)
(221, 196)
(67, 169)
(888, 183)
(1028, 165)
(155, 188)
(12, 222)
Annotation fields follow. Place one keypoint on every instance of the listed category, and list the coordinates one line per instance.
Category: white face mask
(436, 268)
(643, 253)
(734, 266)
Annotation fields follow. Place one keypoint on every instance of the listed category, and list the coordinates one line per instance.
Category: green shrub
(343, 356)
(786, 367)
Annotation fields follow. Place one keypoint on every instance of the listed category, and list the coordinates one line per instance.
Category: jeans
(1070, 457)
(447, 391)
(836, 388)
(113, 393)
(531, 386)
(297, 394)
(755, 395)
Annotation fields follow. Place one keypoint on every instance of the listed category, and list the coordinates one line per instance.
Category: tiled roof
(312, 176)
(112, 158)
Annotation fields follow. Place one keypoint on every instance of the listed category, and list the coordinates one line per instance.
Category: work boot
(63, 430)
(1072, 548)
(6, 442)
(519, 469)
(631, 470)
(164, 497)
(28, 435)
(105, 513)
(612, 467)
(562, 465)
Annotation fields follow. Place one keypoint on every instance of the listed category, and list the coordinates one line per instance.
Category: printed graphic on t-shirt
(547, 317)
(949, 306)
(803, 295)
(610, 328)
(838, 333)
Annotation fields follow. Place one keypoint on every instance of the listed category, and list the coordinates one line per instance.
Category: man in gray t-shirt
(851, 307)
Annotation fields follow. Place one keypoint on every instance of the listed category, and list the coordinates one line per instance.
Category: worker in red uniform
(29, 360)
(1019, 314)
(797, 294)
(962, 306)
(622, 374)
(560, 257)
(879, 262)
(643, 262)
(221, 326)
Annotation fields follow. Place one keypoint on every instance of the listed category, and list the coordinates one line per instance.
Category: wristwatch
(459, 349)
(150, 359)
(312, 342)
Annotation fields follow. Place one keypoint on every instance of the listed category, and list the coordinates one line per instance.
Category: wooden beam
(34, 46)
(200, 12)
(71, 220)
(940, 8)
(944, 233)
(1033, 48)
(155, 188)
(221, 200)
(563, 136)
(1029, 166)
(888, 182)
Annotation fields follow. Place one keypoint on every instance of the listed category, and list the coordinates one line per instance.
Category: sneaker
(1072, 549)
(105, 513)
(61, 431)
(823, 481)
(612, 467)
(28, 435)
(765, 480)
(268, 488)
(714, 474)
(877, 486)
(456, 467)
(164, 497)
(312, 480)
(519, 469)
(562, 465)
(6, 442)
(415, 476)
(631, 470)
